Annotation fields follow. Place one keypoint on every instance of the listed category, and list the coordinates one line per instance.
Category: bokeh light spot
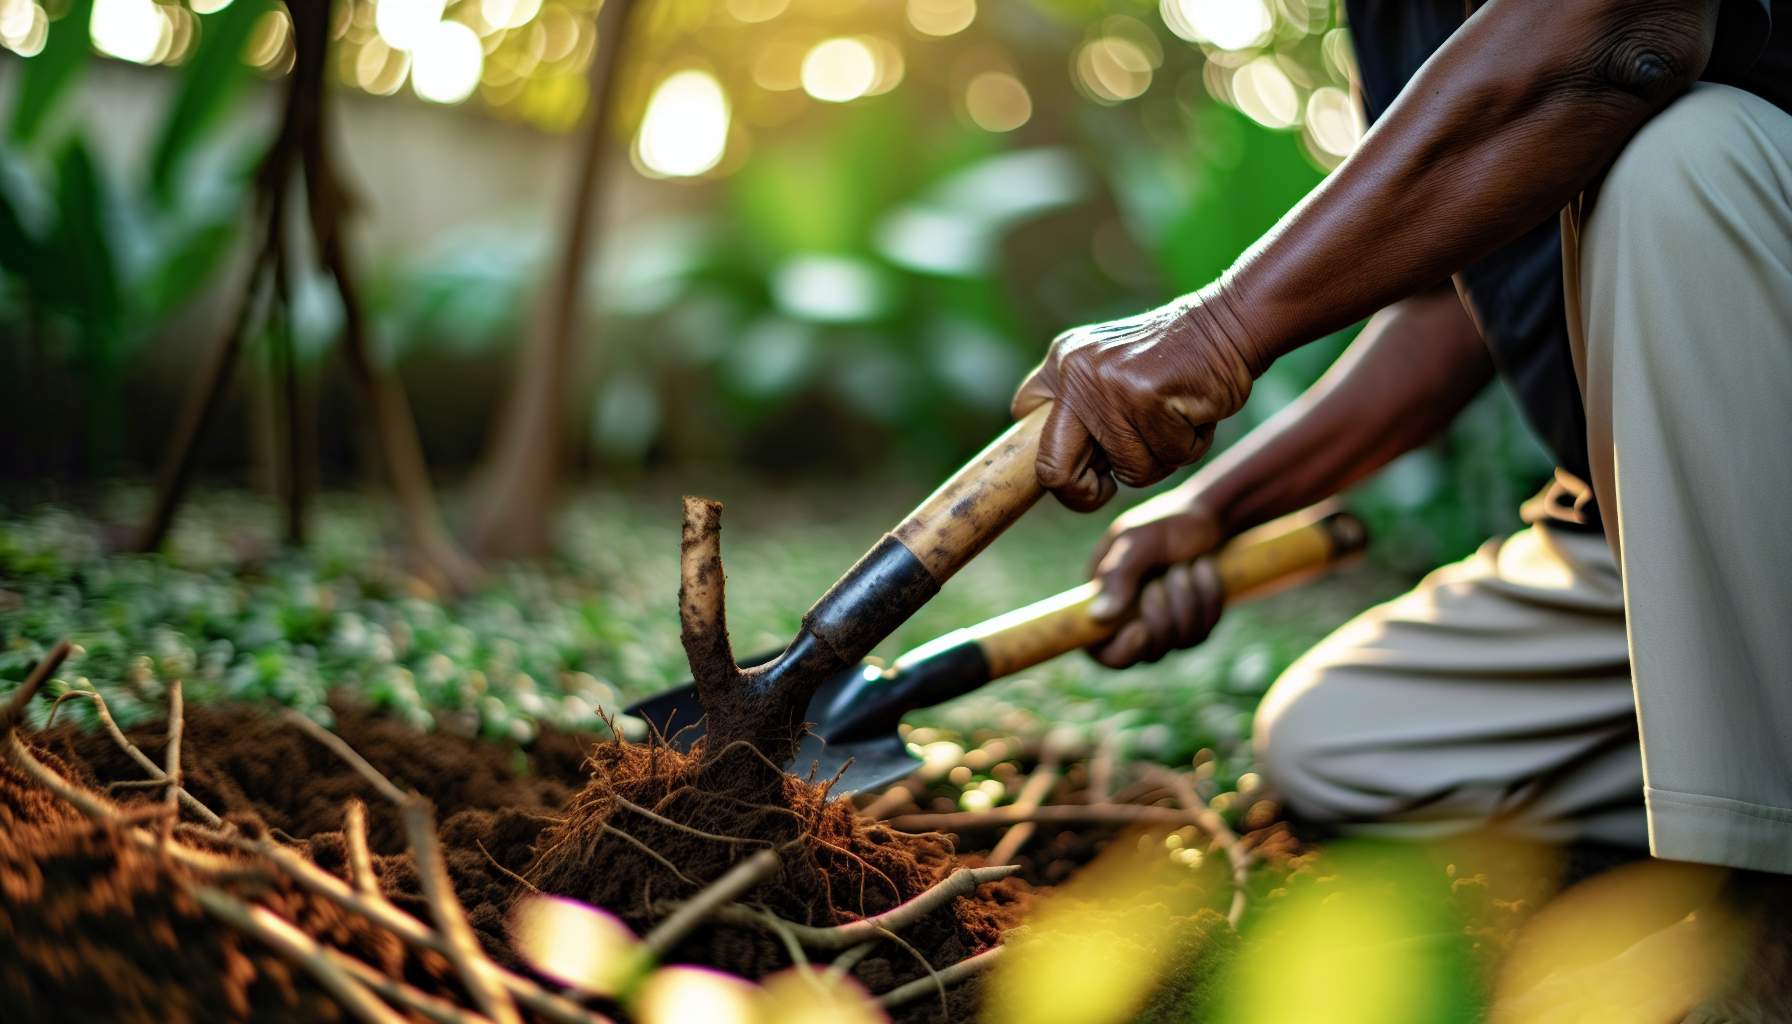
(684, 995)
(941, 17)
(404, 24)
(1227, 24)
(23, 27)
(1265, 95)
(130, 30)
(685, 130)
(997, 102)
(446, 63)
(752, 11)
(575, 944)
(1113, 69)
(839, 70)
(1334, 121)
(507, 13)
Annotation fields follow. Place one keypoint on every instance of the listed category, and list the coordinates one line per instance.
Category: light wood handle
(981, 500)
(1270, 557)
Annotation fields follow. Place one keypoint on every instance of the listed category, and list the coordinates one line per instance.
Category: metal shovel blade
(870, 762)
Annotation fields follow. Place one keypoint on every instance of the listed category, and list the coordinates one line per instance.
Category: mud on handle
(938, 538)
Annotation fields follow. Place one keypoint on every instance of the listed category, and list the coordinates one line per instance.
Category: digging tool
(855, 712)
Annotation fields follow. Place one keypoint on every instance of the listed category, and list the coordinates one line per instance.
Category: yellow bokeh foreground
(1643, 943)
(1096, 948)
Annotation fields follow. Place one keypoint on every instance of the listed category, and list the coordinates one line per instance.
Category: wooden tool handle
(1270, 557)
(981, 500)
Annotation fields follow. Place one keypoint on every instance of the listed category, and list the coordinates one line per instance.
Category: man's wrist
(1217, 312)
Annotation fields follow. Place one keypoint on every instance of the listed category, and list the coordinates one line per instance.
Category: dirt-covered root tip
(702, 610)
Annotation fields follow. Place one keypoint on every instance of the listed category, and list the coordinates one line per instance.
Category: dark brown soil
(101, 931)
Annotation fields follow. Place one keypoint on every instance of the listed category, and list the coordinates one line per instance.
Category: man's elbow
(1647, 51)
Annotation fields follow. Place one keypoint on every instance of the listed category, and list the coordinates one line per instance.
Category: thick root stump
(655, 827)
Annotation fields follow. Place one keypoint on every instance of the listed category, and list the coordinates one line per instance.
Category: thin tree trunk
(394, 431)
(202, 405)
(520, 481)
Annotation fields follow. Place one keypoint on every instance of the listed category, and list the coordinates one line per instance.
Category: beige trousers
(1543, 686)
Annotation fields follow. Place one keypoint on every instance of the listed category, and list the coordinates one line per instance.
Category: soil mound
(104, 928)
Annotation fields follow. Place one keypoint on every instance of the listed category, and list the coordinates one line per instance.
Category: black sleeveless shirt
(1515, 292)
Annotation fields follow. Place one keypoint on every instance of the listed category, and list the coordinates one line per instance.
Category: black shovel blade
(870, 761)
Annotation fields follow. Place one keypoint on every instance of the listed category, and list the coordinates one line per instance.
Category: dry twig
(1051, 814)
(459, 944)
(1038, 786)
(177, 719)
(907, 993)
(1210, 822)
(157, 776)
(726, 889)
(298, 947)
(360, 859)
(959, 883)
(40, 674)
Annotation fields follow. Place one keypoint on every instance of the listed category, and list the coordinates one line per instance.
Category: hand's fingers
(1205, 575)
(1125, 648)
(1186, 613)
(1117, 577)
(1173, 440)
(1154, 610)
(1068, 465)
(1040, 386)
(1133, 462)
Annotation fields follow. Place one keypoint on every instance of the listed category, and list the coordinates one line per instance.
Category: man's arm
(1410, 372)
(1512, 117)
(1522, 108)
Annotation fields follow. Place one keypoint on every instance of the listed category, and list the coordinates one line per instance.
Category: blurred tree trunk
(520, 482)
(301, 148)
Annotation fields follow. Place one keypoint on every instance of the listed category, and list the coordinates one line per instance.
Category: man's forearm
(1522, 108)
(1406, 377)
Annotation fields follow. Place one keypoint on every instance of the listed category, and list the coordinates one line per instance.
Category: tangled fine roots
(654, 826)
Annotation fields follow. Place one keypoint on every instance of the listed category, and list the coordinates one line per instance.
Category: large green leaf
(209, 83)
(47, 77)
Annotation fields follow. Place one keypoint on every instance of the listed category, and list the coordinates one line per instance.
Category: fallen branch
(349, 756)
(959, 883)
(1033, 793)
(724, 890)
(377, 909)
(40, 674)
(397, 992)
(459, 944)
(907, 993)
(360, 859)
(299, 948)
(177, 719)
(105, 812)
(1051, 814)
(1210, 822)
(156, 775)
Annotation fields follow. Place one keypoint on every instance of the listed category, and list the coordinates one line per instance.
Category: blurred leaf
(81, 269)
(1093, 950)
(210, 81)
(18, 249)
(46, 78)
(1372, 939)
(188, 264)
